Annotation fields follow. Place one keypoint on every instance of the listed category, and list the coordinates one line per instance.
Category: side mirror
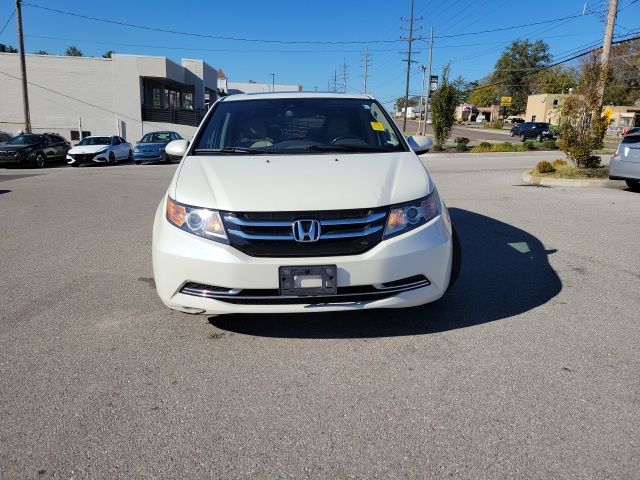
(420, 144)
(177, 148)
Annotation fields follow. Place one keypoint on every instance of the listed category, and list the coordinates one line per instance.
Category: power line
(7, 22)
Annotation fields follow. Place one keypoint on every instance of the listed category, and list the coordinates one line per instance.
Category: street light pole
(23, 69)
(273, 82)
(426, 115)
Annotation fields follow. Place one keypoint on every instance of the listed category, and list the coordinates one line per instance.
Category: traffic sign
(505, 101)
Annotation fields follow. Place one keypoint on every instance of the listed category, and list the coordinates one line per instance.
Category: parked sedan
(100, 150)
(34, 149)
(150, 148)
(625, 164)
(538, 130)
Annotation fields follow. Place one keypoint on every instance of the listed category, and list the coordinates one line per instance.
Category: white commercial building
(230, 88)
(125, 95)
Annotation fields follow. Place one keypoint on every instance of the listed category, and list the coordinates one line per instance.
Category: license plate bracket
(301, 281)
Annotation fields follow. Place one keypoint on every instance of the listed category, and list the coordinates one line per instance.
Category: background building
(544, 107)
(126, 94)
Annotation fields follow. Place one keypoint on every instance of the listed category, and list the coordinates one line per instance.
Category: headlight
(161, 149)
(199, 221)
(410, 215)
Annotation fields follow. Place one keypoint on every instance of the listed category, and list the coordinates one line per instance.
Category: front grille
(83, 157)
(270, 234)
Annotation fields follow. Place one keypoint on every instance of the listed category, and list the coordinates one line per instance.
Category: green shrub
(558, 162)
(545, 167)
(437, 148)
(551, 144)
(461, 143)
(497, 124)
(528, 146)
(484, 145)
(503, 147)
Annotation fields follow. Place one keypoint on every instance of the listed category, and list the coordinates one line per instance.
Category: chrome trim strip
(251, 236)
(201, 292)
(362, 233)
(324, 236)
(216, 295)
(354, 221)
(382, 288)
(249, 223)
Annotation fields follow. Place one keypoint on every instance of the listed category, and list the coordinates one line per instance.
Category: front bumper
(149, 157)
(180, 258)
(85, 159)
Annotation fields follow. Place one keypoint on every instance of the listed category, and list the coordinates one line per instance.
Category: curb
(569, 182)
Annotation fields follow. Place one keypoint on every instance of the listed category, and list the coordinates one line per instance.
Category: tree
(582, 129)
(8, 49)
(515, 67)
(554, 80)
(41, 52)
(484, 96)
(413, 102)
(108, 54)
(443, 106)
(73, 51)
(623, 83)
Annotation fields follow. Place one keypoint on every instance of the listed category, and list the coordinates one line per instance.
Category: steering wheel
(345, 137)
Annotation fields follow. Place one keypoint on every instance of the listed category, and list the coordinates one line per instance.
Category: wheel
(456, 261)
(75, 164)
(522, 137)
(539, 137)
(130, 156)
(41, 160)
(137, 162)
(634, 185)
(112, 158)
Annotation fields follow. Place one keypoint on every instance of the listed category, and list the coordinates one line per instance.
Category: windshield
(95, 141)
(24, 140)
(295, 125)
(156, 137)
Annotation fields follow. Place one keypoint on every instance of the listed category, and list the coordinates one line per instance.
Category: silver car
(625, 164)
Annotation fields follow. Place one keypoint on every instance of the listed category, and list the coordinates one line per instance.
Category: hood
(87, 148)
(13, 148)
(300, 182)
(151, 146)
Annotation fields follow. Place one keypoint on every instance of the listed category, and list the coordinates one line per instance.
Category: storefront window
(187, 100)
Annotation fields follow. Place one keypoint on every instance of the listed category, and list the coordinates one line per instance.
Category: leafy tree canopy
(73, 51)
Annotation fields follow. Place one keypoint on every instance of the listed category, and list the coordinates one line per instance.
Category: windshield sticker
(377, 126)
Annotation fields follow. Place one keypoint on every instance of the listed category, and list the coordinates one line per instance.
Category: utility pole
(410, 39)
(23, 69)
(344, 75)
(606, 48)
(422, 102)
(366, 68)
(273, 82)
(426, 115)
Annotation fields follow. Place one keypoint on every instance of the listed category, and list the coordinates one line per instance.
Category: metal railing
(170, 115)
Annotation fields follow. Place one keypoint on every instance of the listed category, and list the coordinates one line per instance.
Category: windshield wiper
(346, 148)
(229, 150)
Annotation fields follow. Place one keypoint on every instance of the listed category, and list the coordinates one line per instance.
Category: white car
(301, 202)
(625, 164)
(100, 150)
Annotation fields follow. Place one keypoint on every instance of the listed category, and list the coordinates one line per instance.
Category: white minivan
(301, 202)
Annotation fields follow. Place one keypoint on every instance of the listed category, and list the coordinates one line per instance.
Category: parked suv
(32, 149)
(538, 130)
(301, 202)
(625, 164)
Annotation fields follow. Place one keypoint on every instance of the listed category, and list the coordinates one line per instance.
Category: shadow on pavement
(4, 191)
(505, 272)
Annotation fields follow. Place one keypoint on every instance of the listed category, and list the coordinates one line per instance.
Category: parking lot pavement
(528, 368)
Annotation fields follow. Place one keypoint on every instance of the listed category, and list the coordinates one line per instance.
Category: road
(528, 368)
(475, 133)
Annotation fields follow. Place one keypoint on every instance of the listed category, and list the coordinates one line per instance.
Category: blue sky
(309, 64)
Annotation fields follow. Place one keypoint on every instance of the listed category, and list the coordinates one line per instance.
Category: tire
(112, 159)
(130, 157)
(522, 137)
(634, 185)
(137, 162)
(456, 262)
(75, 164)
(41, 160)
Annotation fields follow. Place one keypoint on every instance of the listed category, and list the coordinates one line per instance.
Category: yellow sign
(505, 101)
(377, 126)
(607, 113)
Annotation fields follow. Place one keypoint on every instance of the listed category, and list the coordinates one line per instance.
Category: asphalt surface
(528, 368)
